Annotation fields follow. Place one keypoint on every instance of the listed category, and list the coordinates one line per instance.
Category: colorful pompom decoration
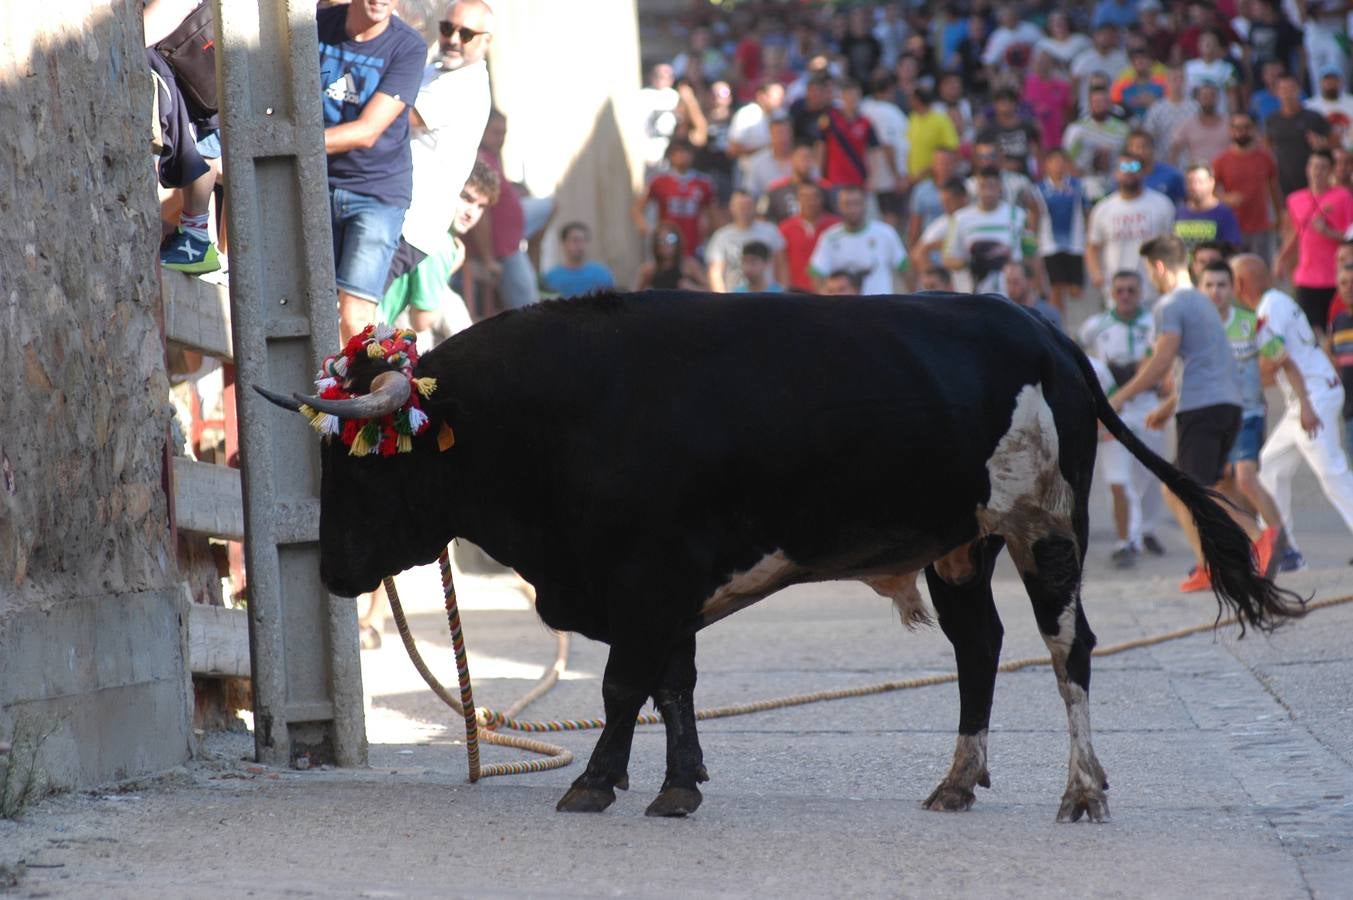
(393, 433)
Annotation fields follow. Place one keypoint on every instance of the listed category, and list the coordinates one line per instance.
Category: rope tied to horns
(484, 723)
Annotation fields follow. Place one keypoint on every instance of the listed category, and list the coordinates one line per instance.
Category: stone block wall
(90, 635)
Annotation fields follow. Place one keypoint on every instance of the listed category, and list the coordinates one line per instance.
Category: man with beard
(1015, 135)
(1122, 221)
(1293, 132)
(1202, 217)
(1318, 216)
(1336, 106)
(1204, 137)
(447, 122)
(1093, 141)
(987, 234)
(1247, 178)
(781, 199)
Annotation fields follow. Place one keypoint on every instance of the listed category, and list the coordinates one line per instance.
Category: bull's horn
(389, 391)
(281, 400)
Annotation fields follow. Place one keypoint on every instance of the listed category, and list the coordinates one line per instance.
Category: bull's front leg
(675, 699)
(960, 589)
(625, 687)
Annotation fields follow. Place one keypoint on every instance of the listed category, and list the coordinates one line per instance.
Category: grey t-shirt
(1210, 375)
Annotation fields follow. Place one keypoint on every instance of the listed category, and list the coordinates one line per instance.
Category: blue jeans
(517, 285)
(366, 234)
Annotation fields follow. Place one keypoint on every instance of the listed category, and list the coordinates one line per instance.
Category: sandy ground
(1231, 765)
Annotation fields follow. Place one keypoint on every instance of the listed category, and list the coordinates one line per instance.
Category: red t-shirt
(681, 199)
(1249, 172)
(848, 142)
(1316, 253)
(509, 222)
(800, 240)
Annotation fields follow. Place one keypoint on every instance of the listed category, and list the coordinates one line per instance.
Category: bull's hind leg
(1051, 570)
(625, 687)
(675, 699)
(960, 590)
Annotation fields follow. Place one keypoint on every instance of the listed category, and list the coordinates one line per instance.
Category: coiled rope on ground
(483, 723)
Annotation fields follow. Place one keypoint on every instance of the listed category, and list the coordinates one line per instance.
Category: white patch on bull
(745, 588)
(1085, 776)
(902, 590)
(1030, 498)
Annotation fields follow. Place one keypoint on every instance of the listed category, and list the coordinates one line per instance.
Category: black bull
(651, 463)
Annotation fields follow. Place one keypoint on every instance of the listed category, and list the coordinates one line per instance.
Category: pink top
(1316, 253)
(1048, 99)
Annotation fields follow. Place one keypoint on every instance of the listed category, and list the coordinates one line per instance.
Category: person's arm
(645, 278)
(479, 244)
(1275, 194)
(1287, 255)
(691, 272)
(637, 210)
(716, 267)
(1157, 418)
(1310, 419)
(1163, 354)
(780, 266)
(699, 133)
(363, 131)
(1094, 265)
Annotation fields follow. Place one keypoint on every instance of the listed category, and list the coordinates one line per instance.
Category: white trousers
(1288, 445)
(1146, 506)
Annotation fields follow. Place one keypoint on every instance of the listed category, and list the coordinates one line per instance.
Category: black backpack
(190, 51)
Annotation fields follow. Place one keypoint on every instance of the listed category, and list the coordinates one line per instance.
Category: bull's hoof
(675, 802)
(582, 799)
(701, 775)
(950, 798)
(1081, 801)
(623, 783)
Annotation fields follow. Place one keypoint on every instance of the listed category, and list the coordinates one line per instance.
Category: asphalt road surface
(1230, 764)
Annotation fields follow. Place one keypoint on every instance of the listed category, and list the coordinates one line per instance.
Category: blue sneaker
(1292, 561)
(183, 252)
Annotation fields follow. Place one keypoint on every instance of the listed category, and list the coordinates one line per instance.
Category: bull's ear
(281, 400)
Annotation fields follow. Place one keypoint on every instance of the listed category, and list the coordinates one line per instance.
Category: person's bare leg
(354, 314)
(1247, 482)
(1120, 510)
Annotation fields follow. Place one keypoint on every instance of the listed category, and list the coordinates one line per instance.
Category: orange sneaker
(1264, 551)
(1198, 580)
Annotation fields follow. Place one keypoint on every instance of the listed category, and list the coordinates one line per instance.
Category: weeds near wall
(22, 780)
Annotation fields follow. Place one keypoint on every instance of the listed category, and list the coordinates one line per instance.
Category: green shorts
(425, 285)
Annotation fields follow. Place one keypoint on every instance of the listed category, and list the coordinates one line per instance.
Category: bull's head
(376, 494)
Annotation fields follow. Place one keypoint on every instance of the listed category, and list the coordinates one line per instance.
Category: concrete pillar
(307, 679)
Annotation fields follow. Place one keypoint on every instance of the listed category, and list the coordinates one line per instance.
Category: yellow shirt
(927, 133)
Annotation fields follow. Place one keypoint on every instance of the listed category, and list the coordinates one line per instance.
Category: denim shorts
(366, 233)
(209, 145)
(1249, 440)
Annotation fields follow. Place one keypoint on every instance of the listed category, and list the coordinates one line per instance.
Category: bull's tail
(1254, 599)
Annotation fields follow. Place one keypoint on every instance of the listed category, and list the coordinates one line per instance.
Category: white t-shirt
(454, 106)
(1219, 72)
(726, 245)
(1121, 345)
(987, 240)
(1285, 321)
(1338, 112)
(874, 250)
(890, 125)
(761, 168)
(941, 231)
(656, 109)
(1004, 38)
(1119, 226)
(750, 127)
(1088, 62)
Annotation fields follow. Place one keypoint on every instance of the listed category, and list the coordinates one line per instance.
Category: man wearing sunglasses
(371, 65)
(1120, 222)
(447, 122)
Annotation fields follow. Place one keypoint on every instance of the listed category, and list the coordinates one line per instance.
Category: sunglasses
(1130, 166)
(466, 34)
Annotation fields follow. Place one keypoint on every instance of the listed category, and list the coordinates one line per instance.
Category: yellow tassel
(426, 386)
(359, 445)
(404, 443)
(375, 350)
(308, 411)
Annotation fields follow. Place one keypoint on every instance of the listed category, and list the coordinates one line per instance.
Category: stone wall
(90, 635)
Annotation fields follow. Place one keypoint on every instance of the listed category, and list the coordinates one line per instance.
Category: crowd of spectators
(1058, 134)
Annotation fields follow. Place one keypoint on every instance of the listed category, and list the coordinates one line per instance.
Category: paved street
(1231, 766)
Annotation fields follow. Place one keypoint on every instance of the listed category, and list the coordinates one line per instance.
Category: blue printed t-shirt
(1166, 179)
(1193, 226)
(350, 73)
(567, 282)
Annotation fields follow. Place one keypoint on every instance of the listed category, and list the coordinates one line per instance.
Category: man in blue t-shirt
(577, 275)
(371, 66)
